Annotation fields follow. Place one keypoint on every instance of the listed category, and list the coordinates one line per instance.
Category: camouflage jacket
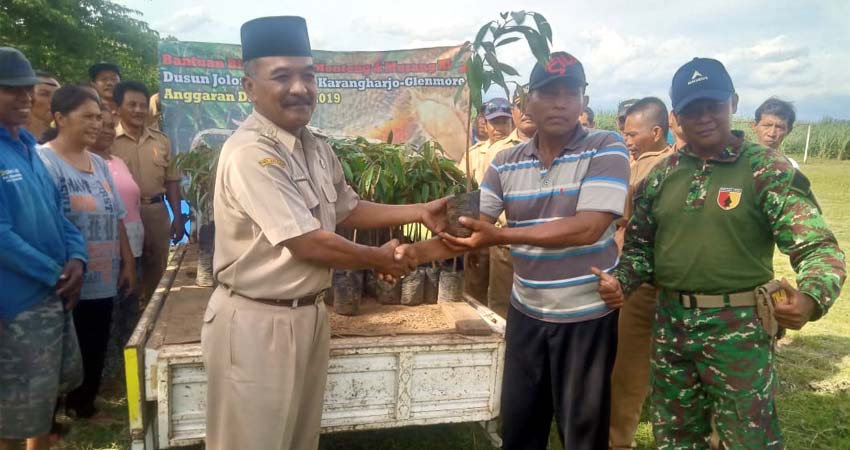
(783, 196)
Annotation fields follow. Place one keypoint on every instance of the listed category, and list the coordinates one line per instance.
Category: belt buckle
(691, 300)
(295, 303)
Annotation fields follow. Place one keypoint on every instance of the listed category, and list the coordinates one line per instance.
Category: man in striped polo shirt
(561, 193)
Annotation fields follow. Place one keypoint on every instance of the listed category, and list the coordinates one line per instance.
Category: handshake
(396, 260)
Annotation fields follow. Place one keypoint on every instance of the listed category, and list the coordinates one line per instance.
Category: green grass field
(830, 138)
(814, 368)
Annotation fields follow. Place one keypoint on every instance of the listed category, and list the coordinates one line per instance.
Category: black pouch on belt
(767, 296)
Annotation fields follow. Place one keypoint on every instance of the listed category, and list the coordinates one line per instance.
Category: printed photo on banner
(414, 95)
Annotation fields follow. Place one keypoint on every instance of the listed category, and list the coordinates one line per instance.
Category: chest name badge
(729, 198)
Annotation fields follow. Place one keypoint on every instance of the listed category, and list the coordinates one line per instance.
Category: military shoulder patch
(272, 162)
(729, 198)
(801, 183)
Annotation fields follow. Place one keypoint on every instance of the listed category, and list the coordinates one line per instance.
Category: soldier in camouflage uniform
(705, 223)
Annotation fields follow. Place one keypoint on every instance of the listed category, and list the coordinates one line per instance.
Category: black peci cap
(275, 36)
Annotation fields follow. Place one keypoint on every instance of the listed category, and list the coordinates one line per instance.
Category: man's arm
(637, 262)
(127, 278)
(584, 228)
(332, 250)
(369, 215)
(801, 232)
(444, 247)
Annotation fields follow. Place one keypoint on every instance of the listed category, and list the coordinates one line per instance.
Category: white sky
(797, 50)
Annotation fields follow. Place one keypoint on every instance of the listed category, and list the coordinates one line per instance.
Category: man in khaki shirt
(499, 123)
(147, 153)
(645, 132)
(501, 269)
(280, 193)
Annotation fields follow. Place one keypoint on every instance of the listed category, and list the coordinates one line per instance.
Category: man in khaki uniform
(280, 193)
(501, 265)
(645, 132)
(499, 124)
(147, 153)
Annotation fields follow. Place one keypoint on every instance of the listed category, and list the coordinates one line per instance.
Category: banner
(417, 95)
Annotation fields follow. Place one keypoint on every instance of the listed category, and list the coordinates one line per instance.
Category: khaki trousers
(155, 247)
(266, 371)
(501, 280)
(476, 273)
(630, 377)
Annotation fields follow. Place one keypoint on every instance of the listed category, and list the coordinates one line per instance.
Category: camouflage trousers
(39, 360)
(712, 363)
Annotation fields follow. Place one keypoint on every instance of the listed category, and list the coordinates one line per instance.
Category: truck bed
(390, 375)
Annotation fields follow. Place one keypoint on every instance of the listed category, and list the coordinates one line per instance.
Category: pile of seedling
(397, 174)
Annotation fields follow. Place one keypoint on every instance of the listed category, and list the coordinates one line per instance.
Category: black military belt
(308, 300)
(153, 200)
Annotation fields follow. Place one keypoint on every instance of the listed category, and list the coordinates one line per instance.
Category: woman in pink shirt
(126, 309)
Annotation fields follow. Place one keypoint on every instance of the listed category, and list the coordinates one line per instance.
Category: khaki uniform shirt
(477, 154)
(640, 168)
(270, 187)
(149, 159)
(481, 155)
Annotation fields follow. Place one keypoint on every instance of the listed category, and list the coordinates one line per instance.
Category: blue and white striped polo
(590, 174)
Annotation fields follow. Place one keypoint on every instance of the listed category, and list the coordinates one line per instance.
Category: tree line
(65, 37)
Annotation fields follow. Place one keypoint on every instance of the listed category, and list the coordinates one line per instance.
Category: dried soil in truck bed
(376, 319)
(180, 320)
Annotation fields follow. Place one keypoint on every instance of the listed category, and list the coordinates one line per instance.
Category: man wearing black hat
(104, 77)
(280, 193)
(705, 224)
(561, 193)
(42, 260)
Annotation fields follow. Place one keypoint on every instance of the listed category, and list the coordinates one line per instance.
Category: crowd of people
(626, 263)
(85, 237)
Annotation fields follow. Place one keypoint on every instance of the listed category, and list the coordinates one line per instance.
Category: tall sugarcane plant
(483, 67)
